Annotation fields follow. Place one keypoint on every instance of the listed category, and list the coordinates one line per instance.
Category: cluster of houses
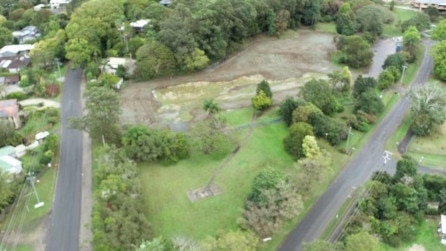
(10, 156)
(423, 4)
(12, 59)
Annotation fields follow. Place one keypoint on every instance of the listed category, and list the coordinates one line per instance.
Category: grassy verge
(45, 190)
(348, 204)
(412, 69)
(398, 136)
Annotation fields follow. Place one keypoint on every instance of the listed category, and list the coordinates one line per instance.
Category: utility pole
(58, 66)
(402, 75)
(347, 147)
(39, 203)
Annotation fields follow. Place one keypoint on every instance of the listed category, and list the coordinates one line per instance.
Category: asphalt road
(63, 232)
(366, 161)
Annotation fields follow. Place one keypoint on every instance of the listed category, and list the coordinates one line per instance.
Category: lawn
(326, 27)
(170, 211)
(427, 237)
(394, 29)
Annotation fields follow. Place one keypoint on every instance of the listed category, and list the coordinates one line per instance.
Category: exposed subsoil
(287, 62)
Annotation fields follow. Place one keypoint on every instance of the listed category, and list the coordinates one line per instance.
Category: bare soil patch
(287, 63)
(417, 247)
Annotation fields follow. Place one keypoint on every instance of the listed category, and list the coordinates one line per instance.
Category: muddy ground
(287, 63)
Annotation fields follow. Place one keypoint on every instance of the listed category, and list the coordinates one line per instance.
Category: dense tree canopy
(319, 93)
(428, 106)
(356, 52)
(102, 119)
(92, 30)
(293, 143)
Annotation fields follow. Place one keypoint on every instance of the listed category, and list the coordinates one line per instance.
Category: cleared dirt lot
(287, 63)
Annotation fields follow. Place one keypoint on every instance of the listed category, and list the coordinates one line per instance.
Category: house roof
(16, 48)
(140, 23)
(60, 2)
(8, 108)
(7, 150)
(165, 2)
(10, 164)
(437, 2)
(15, 62)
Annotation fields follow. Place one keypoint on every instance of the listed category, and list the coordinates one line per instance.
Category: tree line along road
(366, 161)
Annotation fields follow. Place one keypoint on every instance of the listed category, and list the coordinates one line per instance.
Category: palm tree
(211, 107)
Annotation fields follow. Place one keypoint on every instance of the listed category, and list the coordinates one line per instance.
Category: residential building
(9, 109)
(26, 34)
(423, 4)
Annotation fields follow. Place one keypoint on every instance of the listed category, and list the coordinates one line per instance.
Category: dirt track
(287, 62)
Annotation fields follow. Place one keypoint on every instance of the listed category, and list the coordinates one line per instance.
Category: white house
(442, 229)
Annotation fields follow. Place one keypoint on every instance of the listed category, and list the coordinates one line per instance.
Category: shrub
(287, 108)
(386, 79)
(46, 157)
(52, 90)
(327, 127)
(261, 102)
(266, 179)
(17, 95)
(264, 86)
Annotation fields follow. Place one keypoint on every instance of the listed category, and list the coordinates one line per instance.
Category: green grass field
(170, 211)
(326, 27)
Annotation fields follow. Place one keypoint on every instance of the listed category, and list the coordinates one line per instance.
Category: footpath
(85, 233)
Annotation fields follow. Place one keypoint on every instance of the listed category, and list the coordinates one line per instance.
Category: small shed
(41, 135)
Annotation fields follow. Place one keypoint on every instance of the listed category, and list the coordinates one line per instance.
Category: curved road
(366, 161)
(63, 232)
